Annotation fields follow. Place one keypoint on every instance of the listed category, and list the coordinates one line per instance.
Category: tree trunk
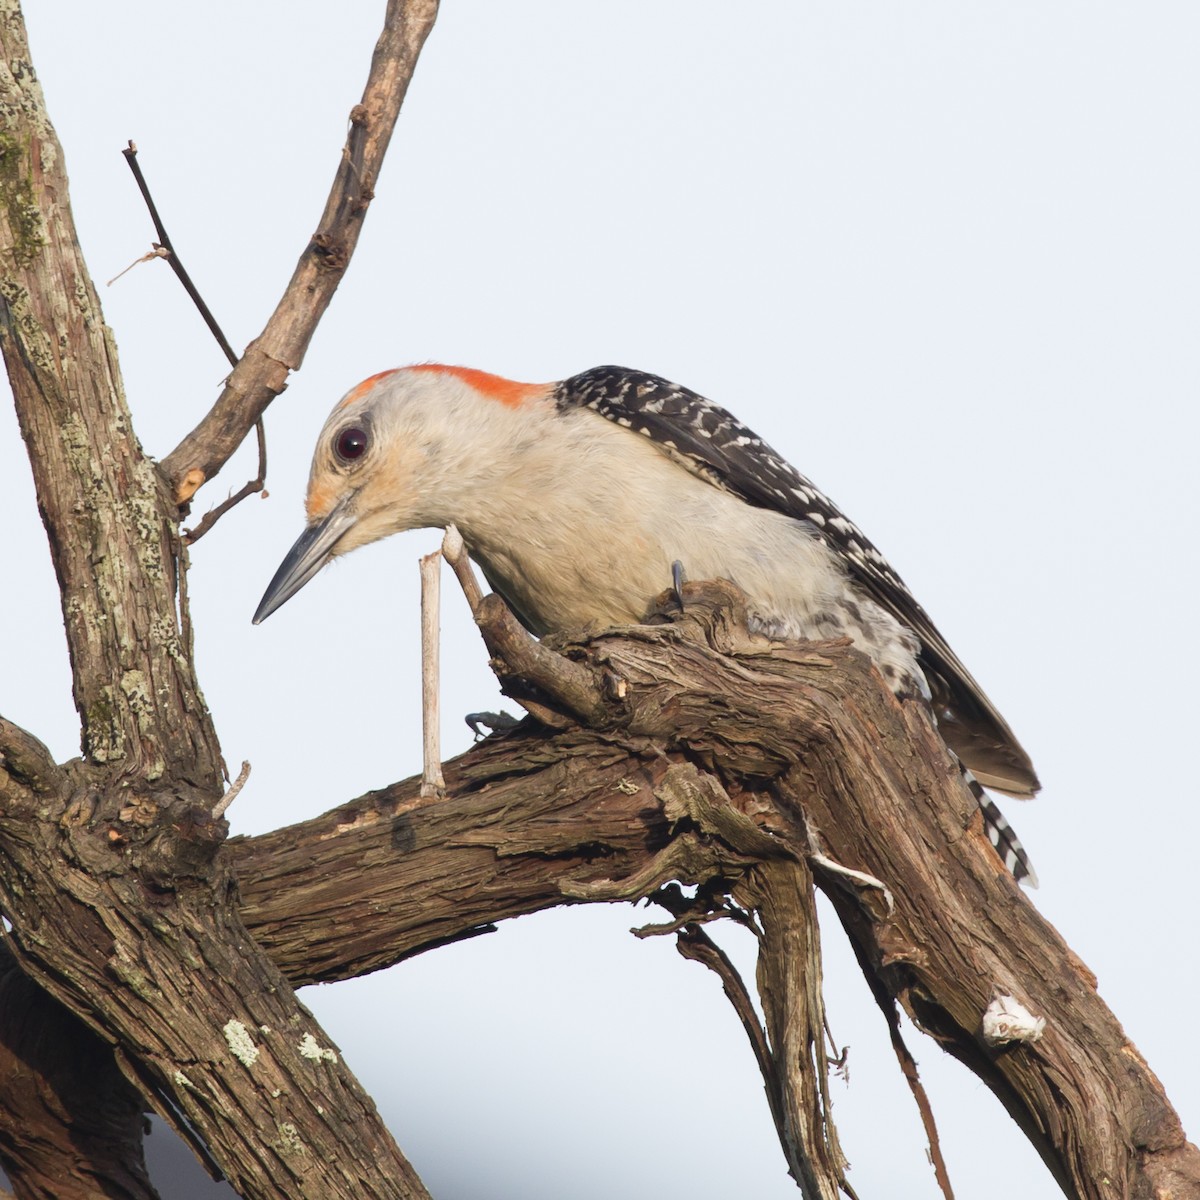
(112, 868)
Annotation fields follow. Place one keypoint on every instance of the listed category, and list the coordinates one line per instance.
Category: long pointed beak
(311, 552)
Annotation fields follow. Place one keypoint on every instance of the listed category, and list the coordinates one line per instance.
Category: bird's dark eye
(351, 443)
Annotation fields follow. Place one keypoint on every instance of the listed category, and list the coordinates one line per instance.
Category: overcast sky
(944, 256)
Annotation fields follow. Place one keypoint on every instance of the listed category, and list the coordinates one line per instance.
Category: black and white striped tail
(1000, 833)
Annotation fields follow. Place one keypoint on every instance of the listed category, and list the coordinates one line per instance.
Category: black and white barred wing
(713, 444)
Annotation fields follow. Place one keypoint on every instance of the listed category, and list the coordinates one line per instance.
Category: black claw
(482, 723)
(677, 582)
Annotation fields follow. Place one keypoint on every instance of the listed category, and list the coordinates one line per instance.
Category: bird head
(396, 453)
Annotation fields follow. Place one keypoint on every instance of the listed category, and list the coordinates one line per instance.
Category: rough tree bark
(151, 961)
(806, 742)
(112, 867)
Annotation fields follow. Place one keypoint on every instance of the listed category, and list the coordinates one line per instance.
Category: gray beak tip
(311, 552)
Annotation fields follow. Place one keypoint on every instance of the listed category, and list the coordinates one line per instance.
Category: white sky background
(945, 257)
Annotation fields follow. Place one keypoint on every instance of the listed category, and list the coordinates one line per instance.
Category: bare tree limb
(165, 244)
(164, 248)
(802, 731)
(263, 370)
(519, 659)
(111, 541)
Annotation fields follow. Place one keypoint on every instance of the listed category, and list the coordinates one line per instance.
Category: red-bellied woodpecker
(580, 500)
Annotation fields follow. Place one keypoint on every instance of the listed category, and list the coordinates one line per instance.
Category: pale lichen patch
(26, 225)
(133, 976)
(310, 1048)
(240, 1042)
(289, 1140)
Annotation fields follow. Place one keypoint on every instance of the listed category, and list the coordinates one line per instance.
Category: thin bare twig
(518, 655)
(433, 783)
(455, 553)
(164, 243)
(695, 944)
(258, 484)
(908, 1068)
(263, 370)
(839, 1060)
(164, 248)
(157, 252)
(701, 909)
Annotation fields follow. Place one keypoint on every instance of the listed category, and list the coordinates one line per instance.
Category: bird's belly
(555, 591)
(557, 577)
(598, 557)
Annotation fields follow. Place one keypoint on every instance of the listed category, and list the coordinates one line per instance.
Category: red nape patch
(506, 391)
(357, 393)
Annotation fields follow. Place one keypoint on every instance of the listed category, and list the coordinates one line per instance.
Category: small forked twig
(164, 249)
(839, 1060)
(257, 484)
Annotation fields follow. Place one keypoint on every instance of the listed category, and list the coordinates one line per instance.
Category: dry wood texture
(800, 730)
(156, 961)
(112, 870)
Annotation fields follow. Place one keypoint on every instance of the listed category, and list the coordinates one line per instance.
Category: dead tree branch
(249, 488)
(684, 750)
(263, 370)
(164, 243)
(165, 248)
(793, 730)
